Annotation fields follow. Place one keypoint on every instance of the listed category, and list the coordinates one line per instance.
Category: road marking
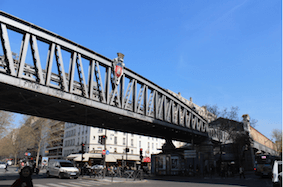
(52, 184)
(93, 183)
(67, 184)
(82, 184)
(39, 185)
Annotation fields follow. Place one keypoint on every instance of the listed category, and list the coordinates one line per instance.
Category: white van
(62, 169)
(277, 173)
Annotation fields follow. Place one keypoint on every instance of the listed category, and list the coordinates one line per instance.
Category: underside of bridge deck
(19, 100)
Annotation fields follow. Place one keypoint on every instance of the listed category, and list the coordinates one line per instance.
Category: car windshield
(66, 164)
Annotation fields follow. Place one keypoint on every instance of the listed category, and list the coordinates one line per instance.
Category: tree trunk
(16, 159)
(37, 156)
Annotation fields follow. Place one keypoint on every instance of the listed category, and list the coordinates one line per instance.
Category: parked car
(97, 167)
(62, 169)
(277, 173)
(2, 165)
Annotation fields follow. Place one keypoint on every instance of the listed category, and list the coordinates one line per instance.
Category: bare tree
(231, 114)
(276, 134)
(37, 129)
(6, 121)
(253, 122)
(213, 109)
(41, 133)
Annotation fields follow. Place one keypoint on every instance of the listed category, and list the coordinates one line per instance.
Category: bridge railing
(133, 93)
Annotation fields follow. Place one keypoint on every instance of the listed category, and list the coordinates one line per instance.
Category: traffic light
(83, 148)
(103, 139)
(141, 157)
(127, 150)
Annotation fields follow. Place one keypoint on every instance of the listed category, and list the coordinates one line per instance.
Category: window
(115, 140)
(139, 143)
(115, 150)
(132, 152)
(148, 144)
(152, 146)
(124, 141)
(132, 142)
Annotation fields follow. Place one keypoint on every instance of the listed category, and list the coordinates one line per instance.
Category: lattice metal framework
(134, 96)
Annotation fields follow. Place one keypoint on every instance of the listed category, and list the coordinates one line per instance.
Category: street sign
(103, 152)
(190, 154)
(107, 152)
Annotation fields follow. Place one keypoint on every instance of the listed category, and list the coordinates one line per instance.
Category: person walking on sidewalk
(242, 172)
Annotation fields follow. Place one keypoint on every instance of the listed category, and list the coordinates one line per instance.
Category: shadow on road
(249, 181)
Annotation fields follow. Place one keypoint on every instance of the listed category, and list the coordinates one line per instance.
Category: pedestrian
(6, 169)
(242, 172)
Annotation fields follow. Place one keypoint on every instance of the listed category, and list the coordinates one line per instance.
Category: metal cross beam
(88, 85)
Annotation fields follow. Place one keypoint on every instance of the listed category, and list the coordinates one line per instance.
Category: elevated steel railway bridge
(94, 91)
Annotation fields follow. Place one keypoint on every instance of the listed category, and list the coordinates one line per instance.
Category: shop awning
(109, 158)
(86, 156)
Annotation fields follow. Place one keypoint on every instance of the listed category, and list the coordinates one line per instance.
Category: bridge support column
(168, 146)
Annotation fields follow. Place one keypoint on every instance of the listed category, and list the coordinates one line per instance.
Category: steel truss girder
(150, 100)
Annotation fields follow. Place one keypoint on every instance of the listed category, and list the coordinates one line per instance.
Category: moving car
(62, 169)
(2, 165)
(277, 173)
(9, 162)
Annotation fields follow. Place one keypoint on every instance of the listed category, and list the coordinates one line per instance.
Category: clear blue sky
(224, 52)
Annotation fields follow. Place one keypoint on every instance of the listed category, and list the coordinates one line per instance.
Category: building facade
(115, 142)
(54, 141)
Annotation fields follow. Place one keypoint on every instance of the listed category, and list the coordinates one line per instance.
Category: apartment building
(116, 142)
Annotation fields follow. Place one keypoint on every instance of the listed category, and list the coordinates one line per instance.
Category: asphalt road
(7, 179)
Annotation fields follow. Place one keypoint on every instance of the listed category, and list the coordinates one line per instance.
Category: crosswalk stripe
(67, 184)
(39, 185)
(91, 183)
(52, 184)
(88, 181)
(82, 184)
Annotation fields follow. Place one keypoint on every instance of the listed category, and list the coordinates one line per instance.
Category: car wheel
(60, 176)
(47, 174)
(75, 177)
